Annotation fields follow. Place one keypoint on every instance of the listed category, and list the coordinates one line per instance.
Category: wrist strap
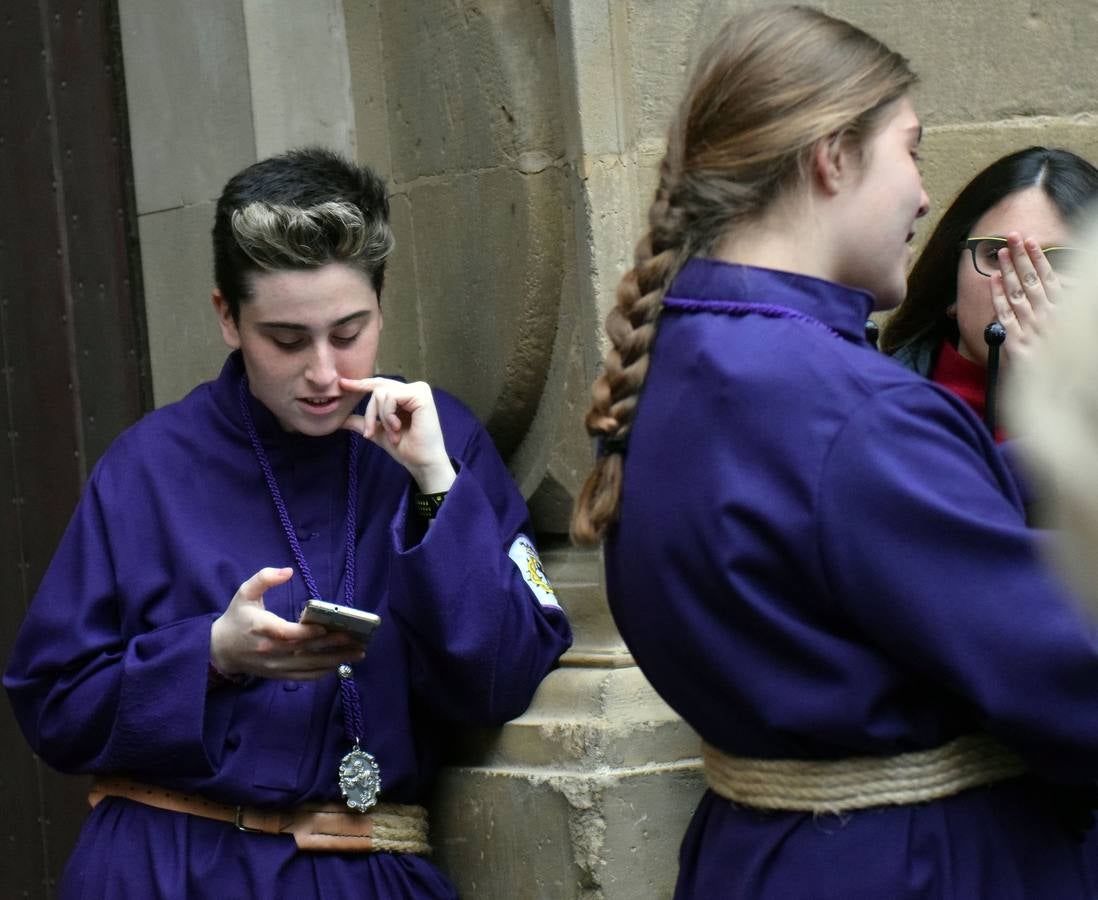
(428, 505)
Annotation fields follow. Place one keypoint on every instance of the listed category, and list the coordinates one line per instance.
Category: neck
(788, 237)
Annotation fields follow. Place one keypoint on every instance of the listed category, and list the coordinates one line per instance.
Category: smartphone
(356, 622)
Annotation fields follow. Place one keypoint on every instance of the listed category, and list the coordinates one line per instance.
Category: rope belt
(389, 827)
(860, 782)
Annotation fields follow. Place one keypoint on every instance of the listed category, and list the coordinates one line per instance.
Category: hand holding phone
(248, 639)
(356, 622)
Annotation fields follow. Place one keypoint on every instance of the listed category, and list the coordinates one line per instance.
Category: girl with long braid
(817, 557)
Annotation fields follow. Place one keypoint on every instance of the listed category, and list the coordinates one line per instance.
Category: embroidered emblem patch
(524, 555)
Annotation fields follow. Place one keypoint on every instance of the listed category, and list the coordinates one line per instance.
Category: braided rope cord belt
(389, 827)
(860, 782)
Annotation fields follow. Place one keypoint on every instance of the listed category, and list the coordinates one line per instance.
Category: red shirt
(965, 378)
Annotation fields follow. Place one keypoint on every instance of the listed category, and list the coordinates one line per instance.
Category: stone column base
(587, 795)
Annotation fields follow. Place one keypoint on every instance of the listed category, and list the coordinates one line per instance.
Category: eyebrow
(297, 326)
(1002, 237)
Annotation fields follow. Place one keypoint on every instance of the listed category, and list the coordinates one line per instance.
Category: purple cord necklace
(359, 774)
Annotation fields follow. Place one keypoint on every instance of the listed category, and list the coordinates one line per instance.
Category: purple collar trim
(738, 308)
(838, 307)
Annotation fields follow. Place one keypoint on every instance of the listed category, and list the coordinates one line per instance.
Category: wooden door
(72, 353)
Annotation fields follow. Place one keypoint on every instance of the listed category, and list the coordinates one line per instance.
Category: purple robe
(841, 567)
(109, 672)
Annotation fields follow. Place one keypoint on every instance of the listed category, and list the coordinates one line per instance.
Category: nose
(321, 369)
(924, 204)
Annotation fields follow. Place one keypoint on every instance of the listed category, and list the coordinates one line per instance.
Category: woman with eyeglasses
(818, 558)
(1000, 252)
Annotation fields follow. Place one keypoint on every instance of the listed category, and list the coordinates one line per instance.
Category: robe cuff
(161, 720)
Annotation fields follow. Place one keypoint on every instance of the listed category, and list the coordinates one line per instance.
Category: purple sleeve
(923, 543)
(480, 640)
(88, 696)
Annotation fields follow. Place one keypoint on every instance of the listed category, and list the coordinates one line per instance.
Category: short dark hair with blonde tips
(771, 85)
(299, 210)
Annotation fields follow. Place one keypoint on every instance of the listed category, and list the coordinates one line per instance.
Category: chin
(310, 427)
(319, 429)
(318, 432)
(889, 296)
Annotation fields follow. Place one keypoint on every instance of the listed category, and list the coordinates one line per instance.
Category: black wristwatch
(428, 505)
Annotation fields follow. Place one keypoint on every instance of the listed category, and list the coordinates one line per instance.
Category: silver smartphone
(356, 622)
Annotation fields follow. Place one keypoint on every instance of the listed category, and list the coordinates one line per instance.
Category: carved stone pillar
(587, 794)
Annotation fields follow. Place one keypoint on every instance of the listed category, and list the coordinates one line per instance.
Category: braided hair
(771, 85)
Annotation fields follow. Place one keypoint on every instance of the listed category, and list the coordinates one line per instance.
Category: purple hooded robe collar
(711, 285)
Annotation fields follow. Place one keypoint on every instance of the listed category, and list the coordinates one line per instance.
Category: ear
(229, 332)
(831, 163)
(951, 310)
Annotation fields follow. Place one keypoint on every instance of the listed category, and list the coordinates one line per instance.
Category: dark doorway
(73, 347)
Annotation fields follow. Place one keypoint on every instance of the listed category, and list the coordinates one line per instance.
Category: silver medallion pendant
(359, 779)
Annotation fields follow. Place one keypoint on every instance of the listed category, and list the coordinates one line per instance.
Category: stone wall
(521, 139)
(994, 77)
(528, 134)
(212, 86)
(460, 104)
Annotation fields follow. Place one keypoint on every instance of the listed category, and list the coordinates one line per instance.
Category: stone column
(589, 792)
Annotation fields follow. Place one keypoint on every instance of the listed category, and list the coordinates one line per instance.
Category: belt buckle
(238, 821)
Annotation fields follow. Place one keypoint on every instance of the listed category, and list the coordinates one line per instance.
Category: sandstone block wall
(211, 86)
(995, 77)
(461, 103)
(521, 139)
(572, 101)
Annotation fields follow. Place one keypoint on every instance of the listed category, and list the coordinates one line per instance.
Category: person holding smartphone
(836, 587)
(237, 750)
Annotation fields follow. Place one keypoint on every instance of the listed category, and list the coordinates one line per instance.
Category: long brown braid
(631, 327)
(772, 84)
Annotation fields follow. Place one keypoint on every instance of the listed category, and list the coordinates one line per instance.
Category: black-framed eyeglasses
(985, 256)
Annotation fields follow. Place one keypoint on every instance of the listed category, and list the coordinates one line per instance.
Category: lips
(319, 405)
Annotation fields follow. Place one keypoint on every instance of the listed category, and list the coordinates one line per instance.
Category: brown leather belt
(388, 827)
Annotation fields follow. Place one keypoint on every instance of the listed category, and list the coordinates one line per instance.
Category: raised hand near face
(401, 419)
(1024, 293)
(248, 639)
